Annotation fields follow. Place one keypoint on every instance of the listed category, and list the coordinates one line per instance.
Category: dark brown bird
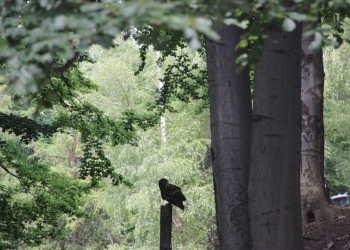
(171, 193)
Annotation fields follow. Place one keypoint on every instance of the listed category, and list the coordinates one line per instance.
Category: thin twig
(17, 177)
(69, 63)
(58, 95)
(7, 171)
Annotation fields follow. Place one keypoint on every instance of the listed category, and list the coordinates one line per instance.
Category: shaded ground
(333, 234)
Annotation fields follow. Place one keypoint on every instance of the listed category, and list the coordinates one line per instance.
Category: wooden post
(166, 214)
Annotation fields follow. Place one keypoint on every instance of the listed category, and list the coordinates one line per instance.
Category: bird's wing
(176, 193)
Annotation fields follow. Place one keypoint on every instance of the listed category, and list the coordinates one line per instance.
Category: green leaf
(3, 43)
(301, 17)
(242, 24)
(288, 25)
(317, 42)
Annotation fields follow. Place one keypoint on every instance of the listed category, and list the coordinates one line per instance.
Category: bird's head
(163, 183)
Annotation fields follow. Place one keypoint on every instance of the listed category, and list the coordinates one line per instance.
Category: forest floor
(333, 234)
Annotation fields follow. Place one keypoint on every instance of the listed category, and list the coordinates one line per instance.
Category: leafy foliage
(31, 205)
(69, 28)
(31, 41)
(27, 128)
(93, 125)
(48, 194)
(184, 80)
(184, 77)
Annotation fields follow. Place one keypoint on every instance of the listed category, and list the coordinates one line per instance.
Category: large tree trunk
(274, 184)
(314, 201)
(230, 117)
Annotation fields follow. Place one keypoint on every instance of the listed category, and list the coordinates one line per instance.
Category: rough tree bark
(274, 183)
(230, 117)
(314, 198)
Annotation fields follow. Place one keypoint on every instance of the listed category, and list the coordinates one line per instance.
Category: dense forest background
(87, 131)
(336, 117)
(128, 217)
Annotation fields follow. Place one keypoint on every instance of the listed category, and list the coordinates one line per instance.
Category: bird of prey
(171, 193)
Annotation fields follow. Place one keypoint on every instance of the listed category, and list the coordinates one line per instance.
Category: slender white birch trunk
(162, 118)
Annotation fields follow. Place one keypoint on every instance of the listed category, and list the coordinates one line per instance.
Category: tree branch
(8, 171)
(16, 176)
(69, 63)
